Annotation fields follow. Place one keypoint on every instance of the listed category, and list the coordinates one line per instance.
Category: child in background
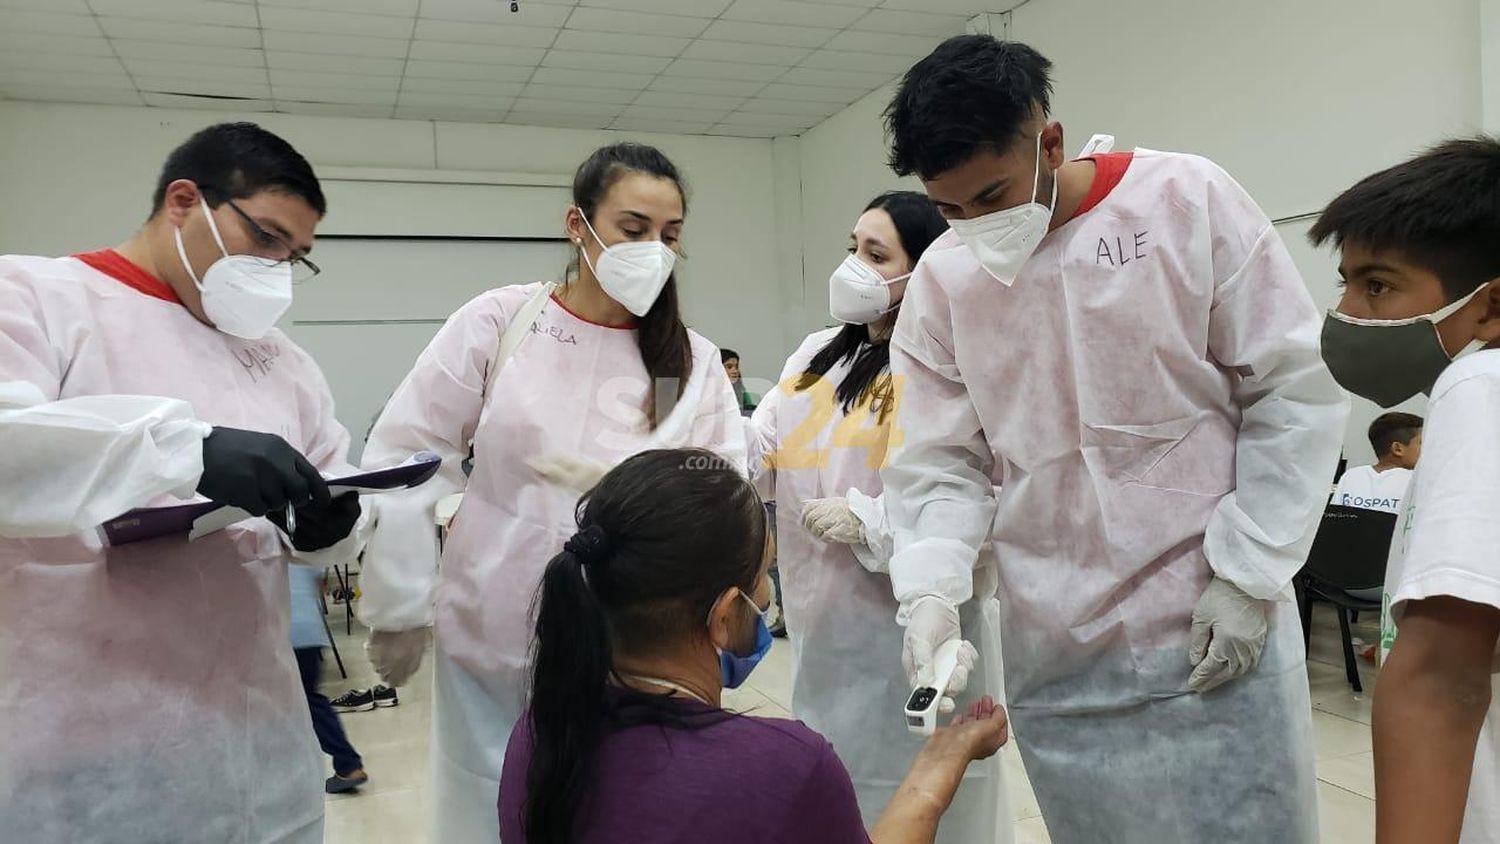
(1397, 440)
(1420, 258)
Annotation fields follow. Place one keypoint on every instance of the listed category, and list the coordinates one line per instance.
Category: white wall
(1298, 100)
(76, 177)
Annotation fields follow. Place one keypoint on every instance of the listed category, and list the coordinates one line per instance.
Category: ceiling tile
(792, 13)
(407, 8)
(876, 62)
(966, 8)
(765, 33)
(883, 42)
(196, 34)
(692, 8)
(911, 23)
(72, 45)
(577, 94)
(179, 11)
(355, 81)
(451, 114)
(589, 78)
(189, 53)
(688, 115)
(71, 7)
(813, 93)
(204, 87)
(462, 87)
(675, 127)
(545, 106)
(495, 11)
(425, 99)
(605, 42)
(12, 76)
(506, 35)
(68, 64)
(615, 20)
(729, 51)
(47, 23)
(416, 69)
(556, 121)
(340, 45)
(761, 105)
(760, 121)
(570, 59)
(748, 132)
(723, 87)
(175, 101)
(477, 53)
(709, 102)
(60, 94)
(333, 109)
(340, 23)
(353, 96)
(723, 70)
(188, 70)
(334, 64)
(837, 78)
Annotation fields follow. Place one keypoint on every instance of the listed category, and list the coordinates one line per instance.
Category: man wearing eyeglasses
(147, 692)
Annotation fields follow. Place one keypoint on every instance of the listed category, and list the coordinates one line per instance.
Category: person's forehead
(641, 193)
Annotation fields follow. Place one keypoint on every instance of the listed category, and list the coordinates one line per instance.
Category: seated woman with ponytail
(650, 611)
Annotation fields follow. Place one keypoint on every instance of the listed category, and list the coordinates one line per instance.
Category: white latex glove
(831, 520)
(568, 471)
(1228, 635)
(397, 654)
(931, 623)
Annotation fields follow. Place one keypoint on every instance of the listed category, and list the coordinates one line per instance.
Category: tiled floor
(393, 807)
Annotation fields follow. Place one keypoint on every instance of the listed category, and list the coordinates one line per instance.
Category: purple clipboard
(152, 522)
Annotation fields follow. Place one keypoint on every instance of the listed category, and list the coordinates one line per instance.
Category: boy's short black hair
(972, 93)
(1440, 210)
(236, 160)
(727, 355)
(1391, 428)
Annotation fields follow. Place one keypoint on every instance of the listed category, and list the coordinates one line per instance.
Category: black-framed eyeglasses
(302, 267)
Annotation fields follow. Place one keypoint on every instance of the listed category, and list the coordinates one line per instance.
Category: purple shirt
(743, 780)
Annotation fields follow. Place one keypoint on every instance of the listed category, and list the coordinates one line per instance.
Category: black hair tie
(590, 545)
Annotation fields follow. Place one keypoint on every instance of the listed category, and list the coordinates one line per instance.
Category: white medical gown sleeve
(436, 408)
(1265, 327)
(875, 554)
(938, 493)
(719, 425)
(760, 441)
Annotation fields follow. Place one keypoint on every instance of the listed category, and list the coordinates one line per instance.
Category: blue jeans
(325, 721)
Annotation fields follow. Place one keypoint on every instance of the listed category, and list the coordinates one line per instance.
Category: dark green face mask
(1388, 360)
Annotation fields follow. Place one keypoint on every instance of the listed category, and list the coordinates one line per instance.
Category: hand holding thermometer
(925, 701)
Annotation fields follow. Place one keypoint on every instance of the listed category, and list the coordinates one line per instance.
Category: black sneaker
(341, 783)
(385, 696)
(357, 700)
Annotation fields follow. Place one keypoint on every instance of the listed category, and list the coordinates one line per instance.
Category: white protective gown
(572, 387)
(147, 692)
(848, 683)
(1149, 398)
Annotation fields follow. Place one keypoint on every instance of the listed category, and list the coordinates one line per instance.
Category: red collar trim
(1109, 169)
(625, 326)
(120, 268)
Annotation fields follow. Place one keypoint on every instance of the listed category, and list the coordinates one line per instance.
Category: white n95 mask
(1002, 241)
(858, 294)
(631, 272)
(243, 295)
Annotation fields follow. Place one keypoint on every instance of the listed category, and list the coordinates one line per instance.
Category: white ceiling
(748, 68)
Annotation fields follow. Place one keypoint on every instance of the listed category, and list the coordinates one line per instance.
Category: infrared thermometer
(922, 706)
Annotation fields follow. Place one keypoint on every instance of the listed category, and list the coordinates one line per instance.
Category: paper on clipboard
(204, 517)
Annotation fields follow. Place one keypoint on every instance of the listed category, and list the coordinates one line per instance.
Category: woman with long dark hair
(549, 385)
(817, 445)
(650, 610)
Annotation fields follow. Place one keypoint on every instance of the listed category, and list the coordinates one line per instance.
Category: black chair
(1350, 552)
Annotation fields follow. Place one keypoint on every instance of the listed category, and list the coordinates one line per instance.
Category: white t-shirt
(1368, 489)
(1448, 540)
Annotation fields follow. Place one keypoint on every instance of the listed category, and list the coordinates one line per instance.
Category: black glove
(321, 526)
(259, 473)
